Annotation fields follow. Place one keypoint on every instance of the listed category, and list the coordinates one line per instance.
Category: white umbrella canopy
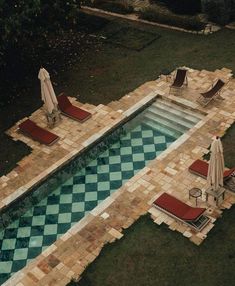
(47, 91)
(216, 165)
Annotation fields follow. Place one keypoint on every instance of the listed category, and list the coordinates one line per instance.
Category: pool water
(26, 237)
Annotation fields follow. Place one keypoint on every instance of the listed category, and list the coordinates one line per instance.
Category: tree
(219, 11)
(23, 19)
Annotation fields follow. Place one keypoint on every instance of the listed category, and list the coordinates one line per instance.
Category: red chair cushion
(70, 110)
(43, 135)
(63, 102)
(37, 133)
(77, 113)
(178, 208)
(199, 167)
(228, 173)
(27, 125)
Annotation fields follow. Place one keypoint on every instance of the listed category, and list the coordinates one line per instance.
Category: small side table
(215, 194)
(195, 193)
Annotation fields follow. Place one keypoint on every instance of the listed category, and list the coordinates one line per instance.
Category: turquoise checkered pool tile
(41, 225)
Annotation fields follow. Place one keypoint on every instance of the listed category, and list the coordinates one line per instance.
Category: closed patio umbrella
(216, 165)
(47, 91)
(49, 98)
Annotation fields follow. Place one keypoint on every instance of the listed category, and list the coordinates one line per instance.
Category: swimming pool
(67, 196)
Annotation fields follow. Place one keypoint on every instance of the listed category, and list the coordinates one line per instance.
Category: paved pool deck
(71, 253)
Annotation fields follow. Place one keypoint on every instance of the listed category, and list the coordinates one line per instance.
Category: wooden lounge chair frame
(214, 92)
(196, 225)
(180, 79)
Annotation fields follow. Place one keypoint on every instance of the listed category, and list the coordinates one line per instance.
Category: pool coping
(132, 187)
(102, 206)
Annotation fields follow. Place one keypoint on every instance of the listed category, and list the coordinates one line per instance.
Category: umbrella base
(53, 118)
(217, 195)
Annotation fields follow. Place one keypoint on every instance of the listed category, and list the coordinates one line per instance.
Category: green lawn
(228, 147)
(111, 71)
(149, 255)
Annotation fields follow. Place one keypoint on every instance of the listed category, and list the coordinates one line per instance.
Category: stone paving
(73, 251)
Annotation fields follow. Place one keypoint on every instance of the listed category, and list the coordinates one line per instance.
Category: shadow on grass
(133, 39)
(228, 147)
(8, 157)
(150, 255)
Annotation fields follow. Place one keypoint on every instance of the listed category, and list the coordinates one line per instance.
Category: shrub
(188, 23)
(219, 11)
(23, 20)
(233, 11)
(188, 7)
(111, 6)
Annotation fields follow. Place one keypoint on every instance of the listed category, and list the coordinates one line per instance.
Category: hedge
(112, 6)
(187, 7)
(219, 11)
(185, 22)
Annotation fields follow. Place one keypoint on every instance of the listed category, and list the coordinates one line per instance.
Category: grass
(104, 72)
(112, 71)
(152, 255)
(131, 39)
(228, 147)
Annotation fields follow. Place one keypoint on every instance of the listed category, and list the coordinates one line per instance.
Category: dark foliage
(188, 23)
(22, 19)
(219, 11)
(21, 24)
(187, 7)
(111, 6)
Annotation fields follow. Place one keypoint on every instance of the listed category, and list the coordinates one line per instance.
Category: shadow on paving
(150, 255)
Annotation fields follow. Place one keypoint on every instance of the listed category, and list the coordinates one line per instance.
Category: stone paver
(72, 252)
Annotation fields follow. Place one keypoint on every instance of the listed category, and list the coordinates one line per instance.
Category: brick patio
(70, 254)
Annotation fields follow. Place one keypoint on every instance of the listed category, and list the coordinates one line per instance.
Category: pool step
(170, 118)
(177, 120)
(152, 121)
(176, 109)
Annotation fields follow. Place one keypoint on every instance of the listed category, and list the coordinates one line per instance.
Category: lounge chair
(37, 133)
(180, 79)
(200, 168)
(212, 93)
(191, 216)
(72, 111)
